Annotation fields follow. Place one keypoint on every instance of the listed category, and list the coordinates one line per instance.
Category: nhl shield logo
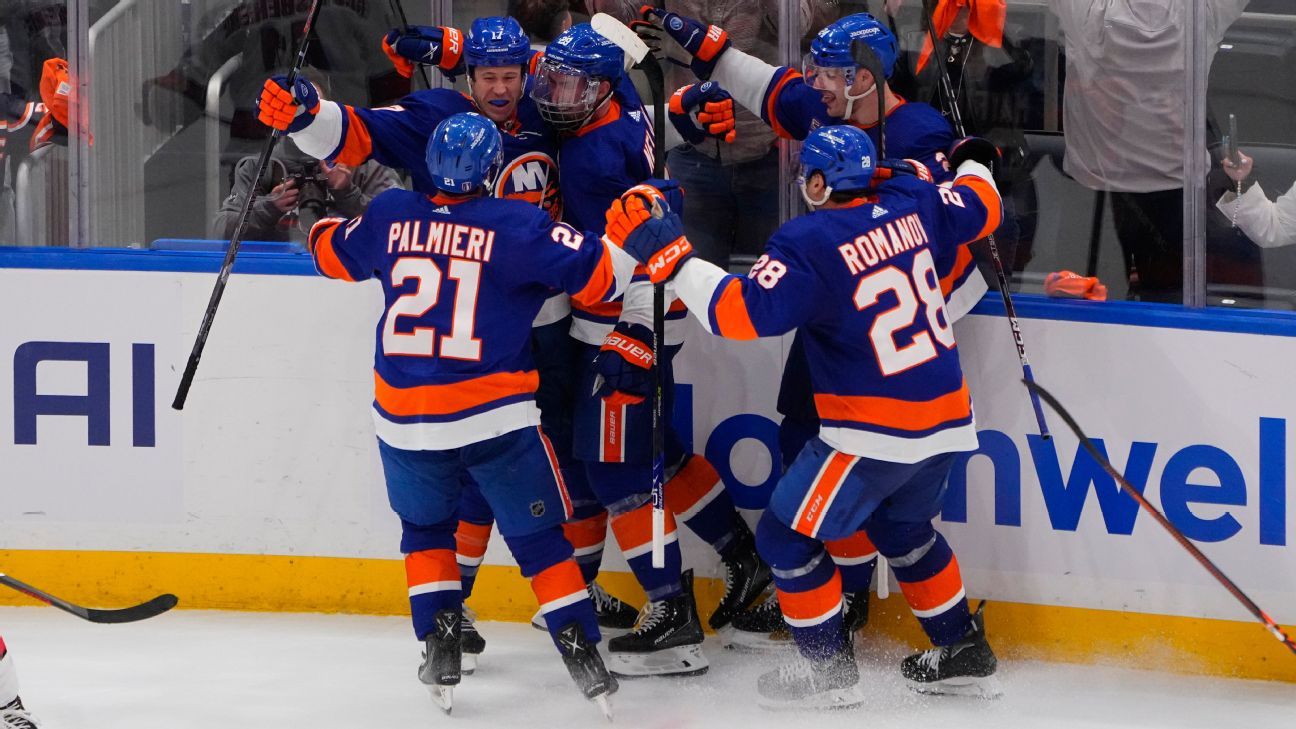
(537, 509)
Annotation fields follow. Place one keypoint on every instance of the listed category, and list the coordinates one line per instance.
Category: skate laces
(652, 614)
(798, 670)
(602, 600)
(931, 659)
(18, 719)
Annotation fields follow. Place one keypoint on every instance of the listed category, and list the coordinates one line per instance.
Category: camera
(312, 197)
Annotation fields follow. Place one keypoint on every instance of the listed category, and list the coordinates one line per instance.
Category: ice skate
(442, 658)
(806, 684)
(14, 715)
(613, 613)
(472, 641)
(857, 609)
(746, 576)
(965, 668)
(666, 642)
(586, 667)
(760, 629)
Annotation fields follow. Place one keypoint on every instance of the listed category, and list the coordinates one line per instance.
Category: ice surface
(225, 670)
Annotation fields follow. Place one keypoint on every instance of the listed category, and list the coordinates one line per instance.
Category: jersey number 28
(920, 283)
(422, 342)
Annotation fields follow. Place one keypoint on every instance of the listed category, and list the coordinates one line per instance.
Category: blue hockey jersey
(914, 130)
(397, 136)
(462, 280)
(861, 283)
(600, 162)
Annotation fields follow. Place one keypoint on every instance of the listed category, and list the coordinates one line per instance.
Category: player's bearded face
(497, 90)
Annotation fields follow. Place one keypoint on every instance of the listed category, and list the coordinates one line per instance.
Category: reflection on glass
(732, 204)
(1251, 201)
(34, 96)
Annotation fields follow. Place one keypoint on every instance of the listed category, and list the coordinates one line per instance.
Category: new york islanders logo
(532, 178)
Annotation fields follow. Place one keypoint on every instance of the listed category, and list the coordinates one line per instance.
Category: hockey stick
(204, 329)
(400, 11)
(637, 51)
(1161, 519)
(143, 611)
(956, 118)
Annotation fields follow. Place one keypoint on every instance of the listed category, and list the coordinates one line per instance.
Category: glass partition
(1250, 201)
(1087, 100)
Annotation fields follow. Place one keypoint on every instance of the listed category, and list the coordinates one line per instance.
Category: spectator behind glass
(1124, 122)
(1268, 223)
(543, 20)
(990, 73)
(264, 36)
(732, 201)
(301, 190)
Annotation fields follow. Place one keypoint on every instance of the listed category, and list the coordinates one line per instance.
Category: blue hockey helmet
(835, 45)
(843, 154)
(464, 153)
(840, 49)
(496, 41)
(567, 80)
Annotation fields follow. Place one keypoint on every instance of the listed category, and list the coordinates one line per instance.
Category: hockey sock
(697, 497)
(8, 676)
(856, 558)
(930, 580)
(587, 532)
(470, 549)
(433, 578)
(545, 558)
(633, 531)
(809, 587)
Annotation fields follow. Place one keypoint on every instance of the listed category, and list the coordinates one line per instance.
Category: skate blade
(604, 705)
(977, 687)
(685, 660)
(468, 664)
(741, 640)
(831, 700)
(442, 696)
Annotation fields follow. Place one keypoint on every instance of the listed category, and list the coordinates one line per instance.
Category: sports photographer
(298, 190)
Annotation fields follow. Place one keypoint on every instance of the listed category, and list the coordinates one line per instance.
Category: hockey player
(858, 276)
(838, 88)
(607, 147)
(495, 55)
(13, 715)
(455, 382)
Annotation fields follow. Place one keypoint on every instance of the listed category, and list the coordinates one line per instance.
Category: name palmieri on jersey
(443, 239)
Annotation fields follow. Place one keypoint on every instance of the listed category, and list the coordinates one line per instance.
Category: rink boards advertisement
(271, 472)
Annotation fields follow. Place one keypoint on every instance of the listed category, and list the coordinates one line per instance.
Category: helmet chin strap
(811, 201)
(852, 98)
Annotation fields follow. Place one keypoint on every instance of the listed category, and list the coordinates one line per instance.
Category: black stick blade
(143, 611)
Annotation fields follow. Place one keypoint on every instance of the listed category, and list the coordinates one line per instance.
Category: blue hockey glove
(714, 108)
(284, 109)
(624, 365)
(704, 43)
(439, 46)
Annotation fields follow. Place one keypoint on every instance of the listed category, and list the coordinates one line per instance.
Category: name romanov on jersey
(445, 239)
(883, 242)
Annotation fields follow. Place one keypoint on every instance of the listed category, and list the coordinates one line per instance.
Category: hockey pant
(828, 496)
(519, 479)
(615, 443)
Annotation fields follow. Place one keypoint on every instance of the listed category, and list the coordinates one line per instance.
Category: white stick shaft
(883, 579)
(659, 538)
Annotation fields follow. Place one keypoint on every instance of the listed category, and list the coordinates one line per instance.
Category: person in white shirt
(1268, 223)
